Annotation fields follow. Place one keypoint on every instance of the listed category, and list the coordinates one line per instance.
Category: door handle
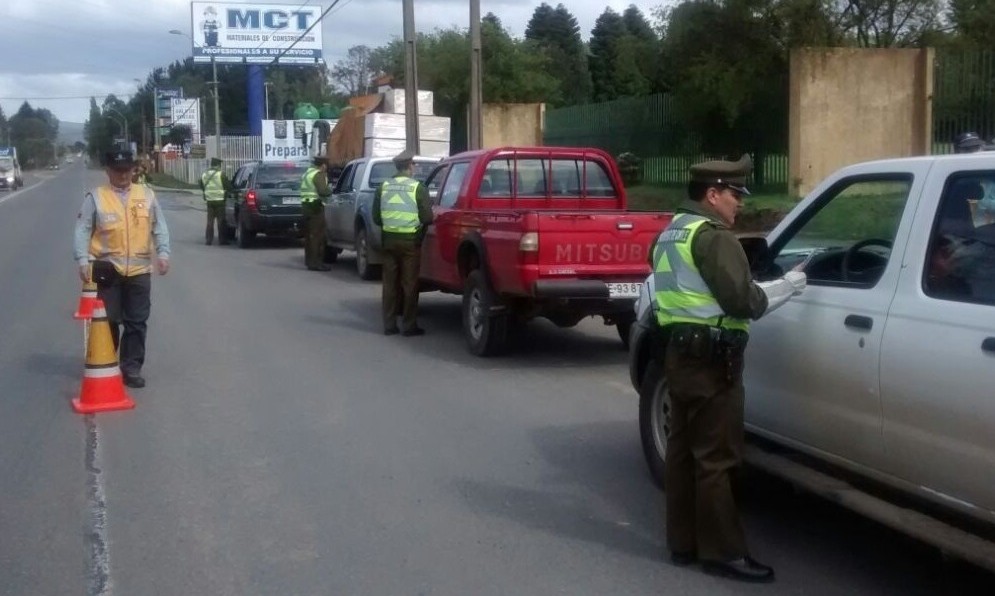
(858, 322)
(988, 345)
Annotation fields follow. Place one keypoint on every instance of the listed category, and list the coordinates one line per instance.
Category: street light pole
(214, 84)
(145, 137)
(124, 123)
(266, 87)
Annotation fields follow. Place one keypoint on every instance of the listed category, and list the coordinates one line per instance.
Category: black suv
(265, 198)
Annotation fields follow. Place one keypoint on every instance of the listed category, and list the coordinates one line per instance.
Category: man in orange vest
(117, 228)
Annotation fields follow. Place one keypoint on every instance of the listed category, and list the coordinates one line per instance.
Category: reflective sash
(214, 188)
(682, 296)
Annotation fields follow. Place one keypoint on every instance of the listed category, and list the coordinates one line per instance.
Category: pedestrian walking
(705, 297)
(215, 185)
(314, 189)
(401, 207)
(120, 230)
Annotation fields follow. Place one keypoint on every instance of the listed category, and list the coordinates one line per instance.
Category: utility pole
(476, 136)
(411, 132)
(155, 118)
(217, 111)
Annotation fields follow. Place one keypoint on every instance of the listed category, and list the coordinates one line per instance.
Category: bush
(631, 168)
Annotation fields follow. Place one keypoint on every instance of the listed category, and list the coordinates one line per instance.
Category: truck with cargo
(11, 177)
(535, 232)
(883, 370)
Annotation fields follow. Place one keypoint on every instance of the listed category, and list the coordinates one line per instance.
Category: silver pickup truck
(349, 211)
(885, 365)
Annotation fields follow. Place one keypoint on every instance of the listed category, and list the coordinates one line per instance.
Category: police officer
(705, 297)
(402, 208)
(969, 142)
(314, 187)
(117, 228)
(215, 185)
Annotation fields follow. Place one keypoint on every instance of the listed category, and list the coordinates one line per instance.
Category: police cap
(732, 174)
(404, 158)
(319, 160)
(968, 142)
(216, 161)
(119, 160)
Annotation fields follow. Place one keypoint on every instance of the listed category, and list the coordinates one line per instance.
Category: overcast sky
(54, 49)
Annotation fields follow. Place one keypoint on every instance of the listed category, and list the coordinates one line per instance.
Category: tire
(654, 420)
(363, 267)
(486, 334)
(244, 236)
(624, 327)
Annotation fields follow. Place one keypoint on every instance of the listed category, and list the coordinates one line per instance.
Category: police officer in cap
(215, 185)
(704, 298)
(969, 142)
(401, 206)
(314, 189)
(118, 230)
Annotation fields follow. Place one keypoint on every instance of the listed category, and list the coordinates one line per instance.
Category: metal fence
(651, 128)
(235, 152)
(963, 96)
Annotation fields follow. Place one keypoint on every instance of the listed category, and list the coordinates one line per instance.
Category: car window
(238, 180)
(535, 177)
(380, 172)
(345, 179)
(434, 180)
(454, 181)
(846, 237)
(286, 176)
(960, 256)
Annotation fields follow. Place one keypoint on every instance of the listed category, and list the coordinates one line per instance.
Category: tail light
(250, 199)
(528, 248)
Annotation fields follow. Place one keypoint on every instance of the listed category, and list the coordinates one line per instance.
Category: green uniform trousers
(314, 230)
(216, 213)
(401, 260)
(704, 450)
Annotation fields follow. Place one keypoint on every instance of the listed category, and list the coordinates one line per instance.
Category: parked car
(885, 365)
(535, 232)
(349, 211)
(265, 198)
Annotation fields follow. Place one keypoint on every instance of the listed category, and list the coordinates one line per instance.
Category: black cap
(119, 160)
(968, 142)
(319, 160)
(732, 174)
(216, 161)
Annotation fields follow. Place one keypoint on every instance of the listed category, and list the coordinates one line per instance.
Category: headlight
(10, 178)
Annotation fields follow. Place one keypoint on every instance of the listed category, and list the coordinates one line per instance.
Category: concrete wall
(512, 124)
(850, 105)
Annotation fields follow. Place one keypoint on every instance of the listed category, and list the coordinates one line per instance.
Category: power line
(92, 95)
(301, 36)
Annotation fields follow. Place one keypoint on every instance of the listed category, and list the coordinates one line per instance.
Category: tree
(608, 30)
(95, 133)
(353, 75)
(33, 132)
(179, 135)
(557, 34)
(974, 20)
(890, 23)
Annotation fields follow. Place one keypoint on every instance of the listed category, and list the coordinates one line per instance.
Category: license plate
(624, 290)
(291, 200)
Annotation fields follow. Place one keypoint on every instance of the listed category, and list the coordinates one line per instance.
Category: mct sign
(255, 33)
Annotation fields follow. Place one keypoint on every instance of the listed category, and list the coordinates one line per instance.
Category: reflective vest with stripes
(122, 231)
(214, 188)
(682, 296)
(399, 205)
(309, 192)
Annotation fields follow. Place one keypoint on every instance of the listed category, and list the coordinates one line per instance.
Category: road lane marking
(98, 568)
(17, 193)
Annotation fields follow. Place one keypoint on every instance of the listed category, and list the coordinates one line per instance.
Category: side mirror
(756, 250)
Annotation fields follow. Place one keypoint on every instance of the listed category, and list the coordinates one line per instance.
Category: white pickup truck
(884, 367)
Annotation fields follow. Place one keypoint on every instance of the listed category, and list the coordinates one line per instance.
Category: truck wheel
(486, 334)
(245, 236)
(654, 419)
(363, 267)
(624, 326)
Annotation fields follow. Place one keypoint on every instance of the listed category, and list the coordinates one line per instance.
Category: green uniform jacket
(425, 214)
(321, 185)
(723, 265)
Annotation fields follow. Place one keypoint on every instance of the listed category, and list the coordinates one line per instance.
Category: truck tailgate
(608, 245)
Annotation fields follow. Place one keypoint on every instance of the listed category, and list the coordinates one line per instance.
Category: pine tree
(608, 30)
(557, 33)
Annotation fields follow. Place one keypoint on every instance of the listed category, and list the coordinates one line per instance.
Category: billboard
(186, 112)
(289, 140)
(255, 33)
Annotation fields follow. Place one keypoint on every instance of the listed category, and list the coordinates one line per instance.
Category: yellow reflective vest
(122, 231)
(399, 205)
(214, 188)
(682, 296)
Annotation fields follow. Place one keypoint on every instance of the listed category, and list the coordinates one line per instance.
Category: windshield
(286, 177)
(385, 169)
(6, 163)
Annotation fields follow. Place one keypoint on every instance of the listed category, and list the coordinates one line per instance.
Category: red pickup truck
(535, 232)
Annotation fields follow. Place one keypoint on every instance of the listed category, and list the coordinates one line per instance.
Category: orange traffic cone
(103, 387)
(86, 300)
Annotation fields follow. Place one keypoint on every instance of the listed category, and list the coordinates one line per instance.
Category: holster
(703, 342)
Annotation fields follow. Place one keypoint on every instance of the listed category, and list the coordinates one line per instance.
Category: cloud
(64, 48)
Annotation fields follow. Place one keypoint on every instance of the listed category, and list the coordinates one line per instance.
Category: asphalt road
(284, 446)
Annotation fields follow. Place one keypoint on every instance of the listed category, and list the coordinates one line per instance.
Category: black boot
(745, 569)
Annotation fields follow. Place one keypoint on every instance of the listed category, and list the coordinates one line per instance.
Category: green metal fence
(963, 96)
(651, 128)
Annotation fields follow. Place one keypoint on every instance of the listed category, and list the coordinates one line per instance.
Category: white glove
(797, 279)
(778, 292)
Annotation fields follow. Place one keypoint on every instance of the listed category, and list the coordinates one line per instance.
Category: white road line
(16, 193)
(98, 567)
